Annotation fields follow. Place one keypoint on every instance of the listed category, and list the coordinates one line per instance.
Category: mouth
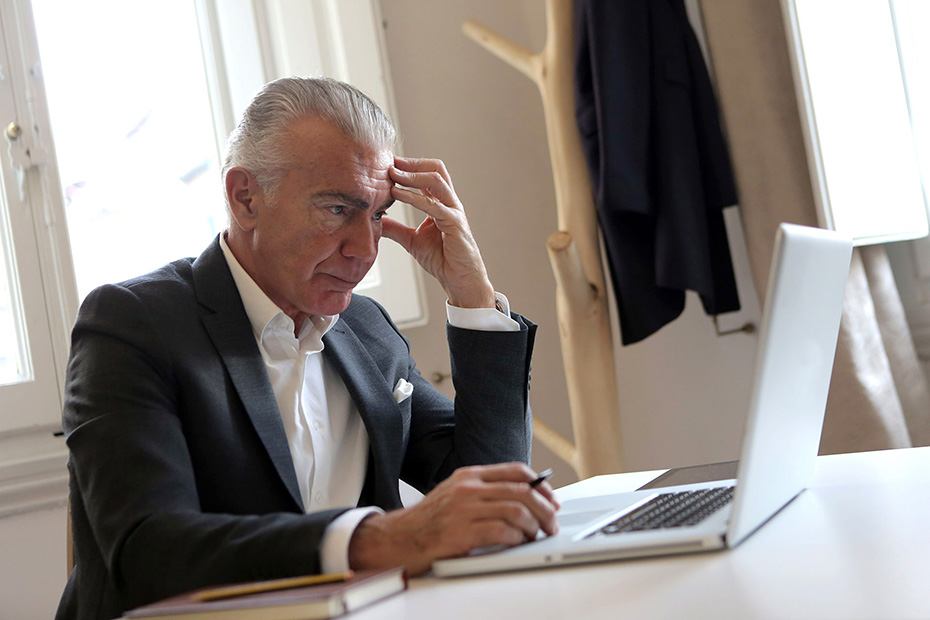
(348, 283)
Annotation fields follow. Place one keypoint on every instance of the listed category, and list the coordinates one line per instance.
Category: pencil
(268, 586)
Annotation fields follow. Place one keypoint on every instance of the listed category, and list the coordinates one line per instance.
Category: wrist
(482, 297)
(363, 544)
(383, 541)
(374, 544)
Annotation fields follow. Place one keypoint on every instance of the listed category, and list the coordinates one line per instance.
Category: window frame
(32, 457)
(869, 142)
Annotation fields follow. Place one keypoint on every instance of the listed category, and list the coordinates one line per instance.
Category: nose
(362, 240)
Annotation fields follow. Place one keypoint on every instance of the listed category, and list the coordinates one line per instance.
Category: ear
(244, 197)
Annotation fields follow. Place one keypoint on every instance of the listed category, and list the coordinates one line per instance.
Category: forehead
(317, 147)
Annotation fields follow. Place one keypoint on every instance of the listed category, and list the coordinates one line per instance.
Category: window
(875, 124)
(139, 133)
(141, 98)
(863, 95)
(134, 135)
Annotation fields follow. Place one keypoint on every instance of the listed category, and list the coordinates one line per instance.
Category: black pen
(542, 477)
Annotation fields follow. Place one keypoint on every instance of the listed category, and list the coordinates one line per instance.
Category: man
(245, 416)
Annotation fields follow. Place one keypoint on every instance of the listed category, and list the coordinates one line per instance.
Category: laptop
(793, 365)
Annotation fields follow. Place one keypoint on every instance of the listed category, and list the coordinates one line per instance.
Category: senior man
(243, 415)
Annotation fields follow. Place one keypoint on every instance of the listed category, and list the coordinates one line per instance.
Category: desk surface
(854, 545)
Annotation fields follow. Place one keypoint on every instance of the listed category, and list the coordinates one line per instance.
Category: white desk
(856, 544)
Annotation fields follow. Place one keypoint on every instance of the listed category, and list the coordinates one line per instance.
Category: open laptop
(794, 362)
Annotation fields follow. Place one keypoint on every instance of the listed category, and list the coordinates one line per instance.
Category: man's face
(315, 240)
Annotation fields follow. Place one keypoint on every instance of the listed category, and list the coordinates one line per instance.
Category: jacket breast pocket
(405, 407)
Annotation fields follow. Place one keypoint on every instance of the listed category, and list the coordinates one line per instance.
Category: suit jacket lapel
(374, 398)
(231, 332)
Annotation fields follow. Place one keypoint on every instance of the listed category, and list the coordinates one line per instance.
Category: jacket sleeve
(489, 421)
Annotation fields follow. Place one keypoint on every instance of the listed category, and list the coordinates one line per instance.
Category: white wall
(32, 564)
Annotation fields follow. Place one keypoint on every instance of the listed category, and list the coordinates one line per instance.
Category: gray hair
(255, 144)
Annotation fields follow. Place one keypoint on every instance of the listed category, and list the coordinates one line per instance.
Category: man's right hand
(475, 507)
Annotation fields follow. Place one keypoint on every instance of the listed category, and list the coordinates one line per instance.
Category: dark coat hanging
(659, 166)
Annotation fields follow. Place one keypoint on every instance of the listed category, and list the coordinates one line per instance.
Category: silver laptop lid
(794, 362)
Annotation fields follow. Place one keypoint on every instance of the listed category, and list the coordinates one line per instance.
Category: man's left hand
(443, 243)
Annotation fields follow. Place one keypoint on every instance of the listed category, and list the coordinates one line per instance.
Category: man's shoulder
(168, 289)
(172, 279)
(180, 274)
(176, 280)
(175, 272)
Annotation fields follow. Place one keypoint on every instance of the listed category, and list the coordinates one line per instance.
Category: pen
(268, 586)
(542, 477)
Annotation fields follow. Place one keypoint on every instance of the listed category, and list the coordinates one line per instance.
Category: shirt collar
(260, 309)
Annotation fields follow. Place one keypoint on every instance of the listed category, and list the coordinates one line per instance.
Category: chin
(334, 303)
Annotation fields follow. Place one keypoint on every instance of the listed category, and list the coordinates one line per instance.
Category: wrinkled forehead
(322, 159)
(312, 140)
(371, 170)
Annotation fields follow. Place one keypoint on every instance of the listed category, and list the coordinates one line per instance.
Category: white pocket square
(402, 390)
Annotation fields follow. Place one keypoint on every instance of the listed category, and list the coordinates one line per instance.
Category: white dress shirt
(327, 439)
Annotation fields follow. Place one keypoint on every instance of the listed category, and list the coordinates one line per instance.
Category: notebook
(295, 598)
(793, 365)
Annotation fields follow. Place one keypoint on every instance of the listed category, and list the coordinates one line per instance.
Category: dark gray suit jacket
(181, 475)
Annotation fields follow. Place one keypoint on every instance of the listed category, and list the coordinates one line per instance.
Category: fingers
(546, 491)
(395, 231)
(492, 533)
(443, 243)
(443, 207)
(499, 472)
(435, 195)
(475, 507)
(413, 240)
(505, 488)
(522, 507)
(511, 472)
(428, 205)
(415, 164)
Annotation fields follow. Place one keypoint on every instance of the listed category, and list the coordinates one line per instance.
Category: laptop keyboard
(671, 510)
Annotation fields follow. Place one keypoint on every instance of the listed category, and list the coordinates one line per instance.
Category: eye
(377, 216)
(336, 209)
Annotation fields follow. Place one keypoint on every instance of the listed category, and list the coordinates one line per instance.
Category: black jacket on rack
(659, 166)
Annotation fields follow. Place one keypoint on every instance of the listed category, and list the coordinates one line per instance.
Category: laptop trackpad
(583, 510)
(577, 519)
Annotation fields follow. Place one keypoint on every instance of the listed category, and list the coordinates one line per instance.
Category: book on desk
(280, 599)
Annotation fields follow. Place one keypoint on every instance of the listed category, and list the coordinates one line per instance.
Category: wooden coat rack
(574, 251)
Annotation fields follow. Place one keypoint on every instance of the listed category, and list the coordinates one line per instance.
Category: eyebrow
(351, 201)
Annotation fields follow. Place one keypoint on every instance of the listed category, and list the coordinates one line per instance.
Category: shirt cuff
(334, 547)
(483, 319)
